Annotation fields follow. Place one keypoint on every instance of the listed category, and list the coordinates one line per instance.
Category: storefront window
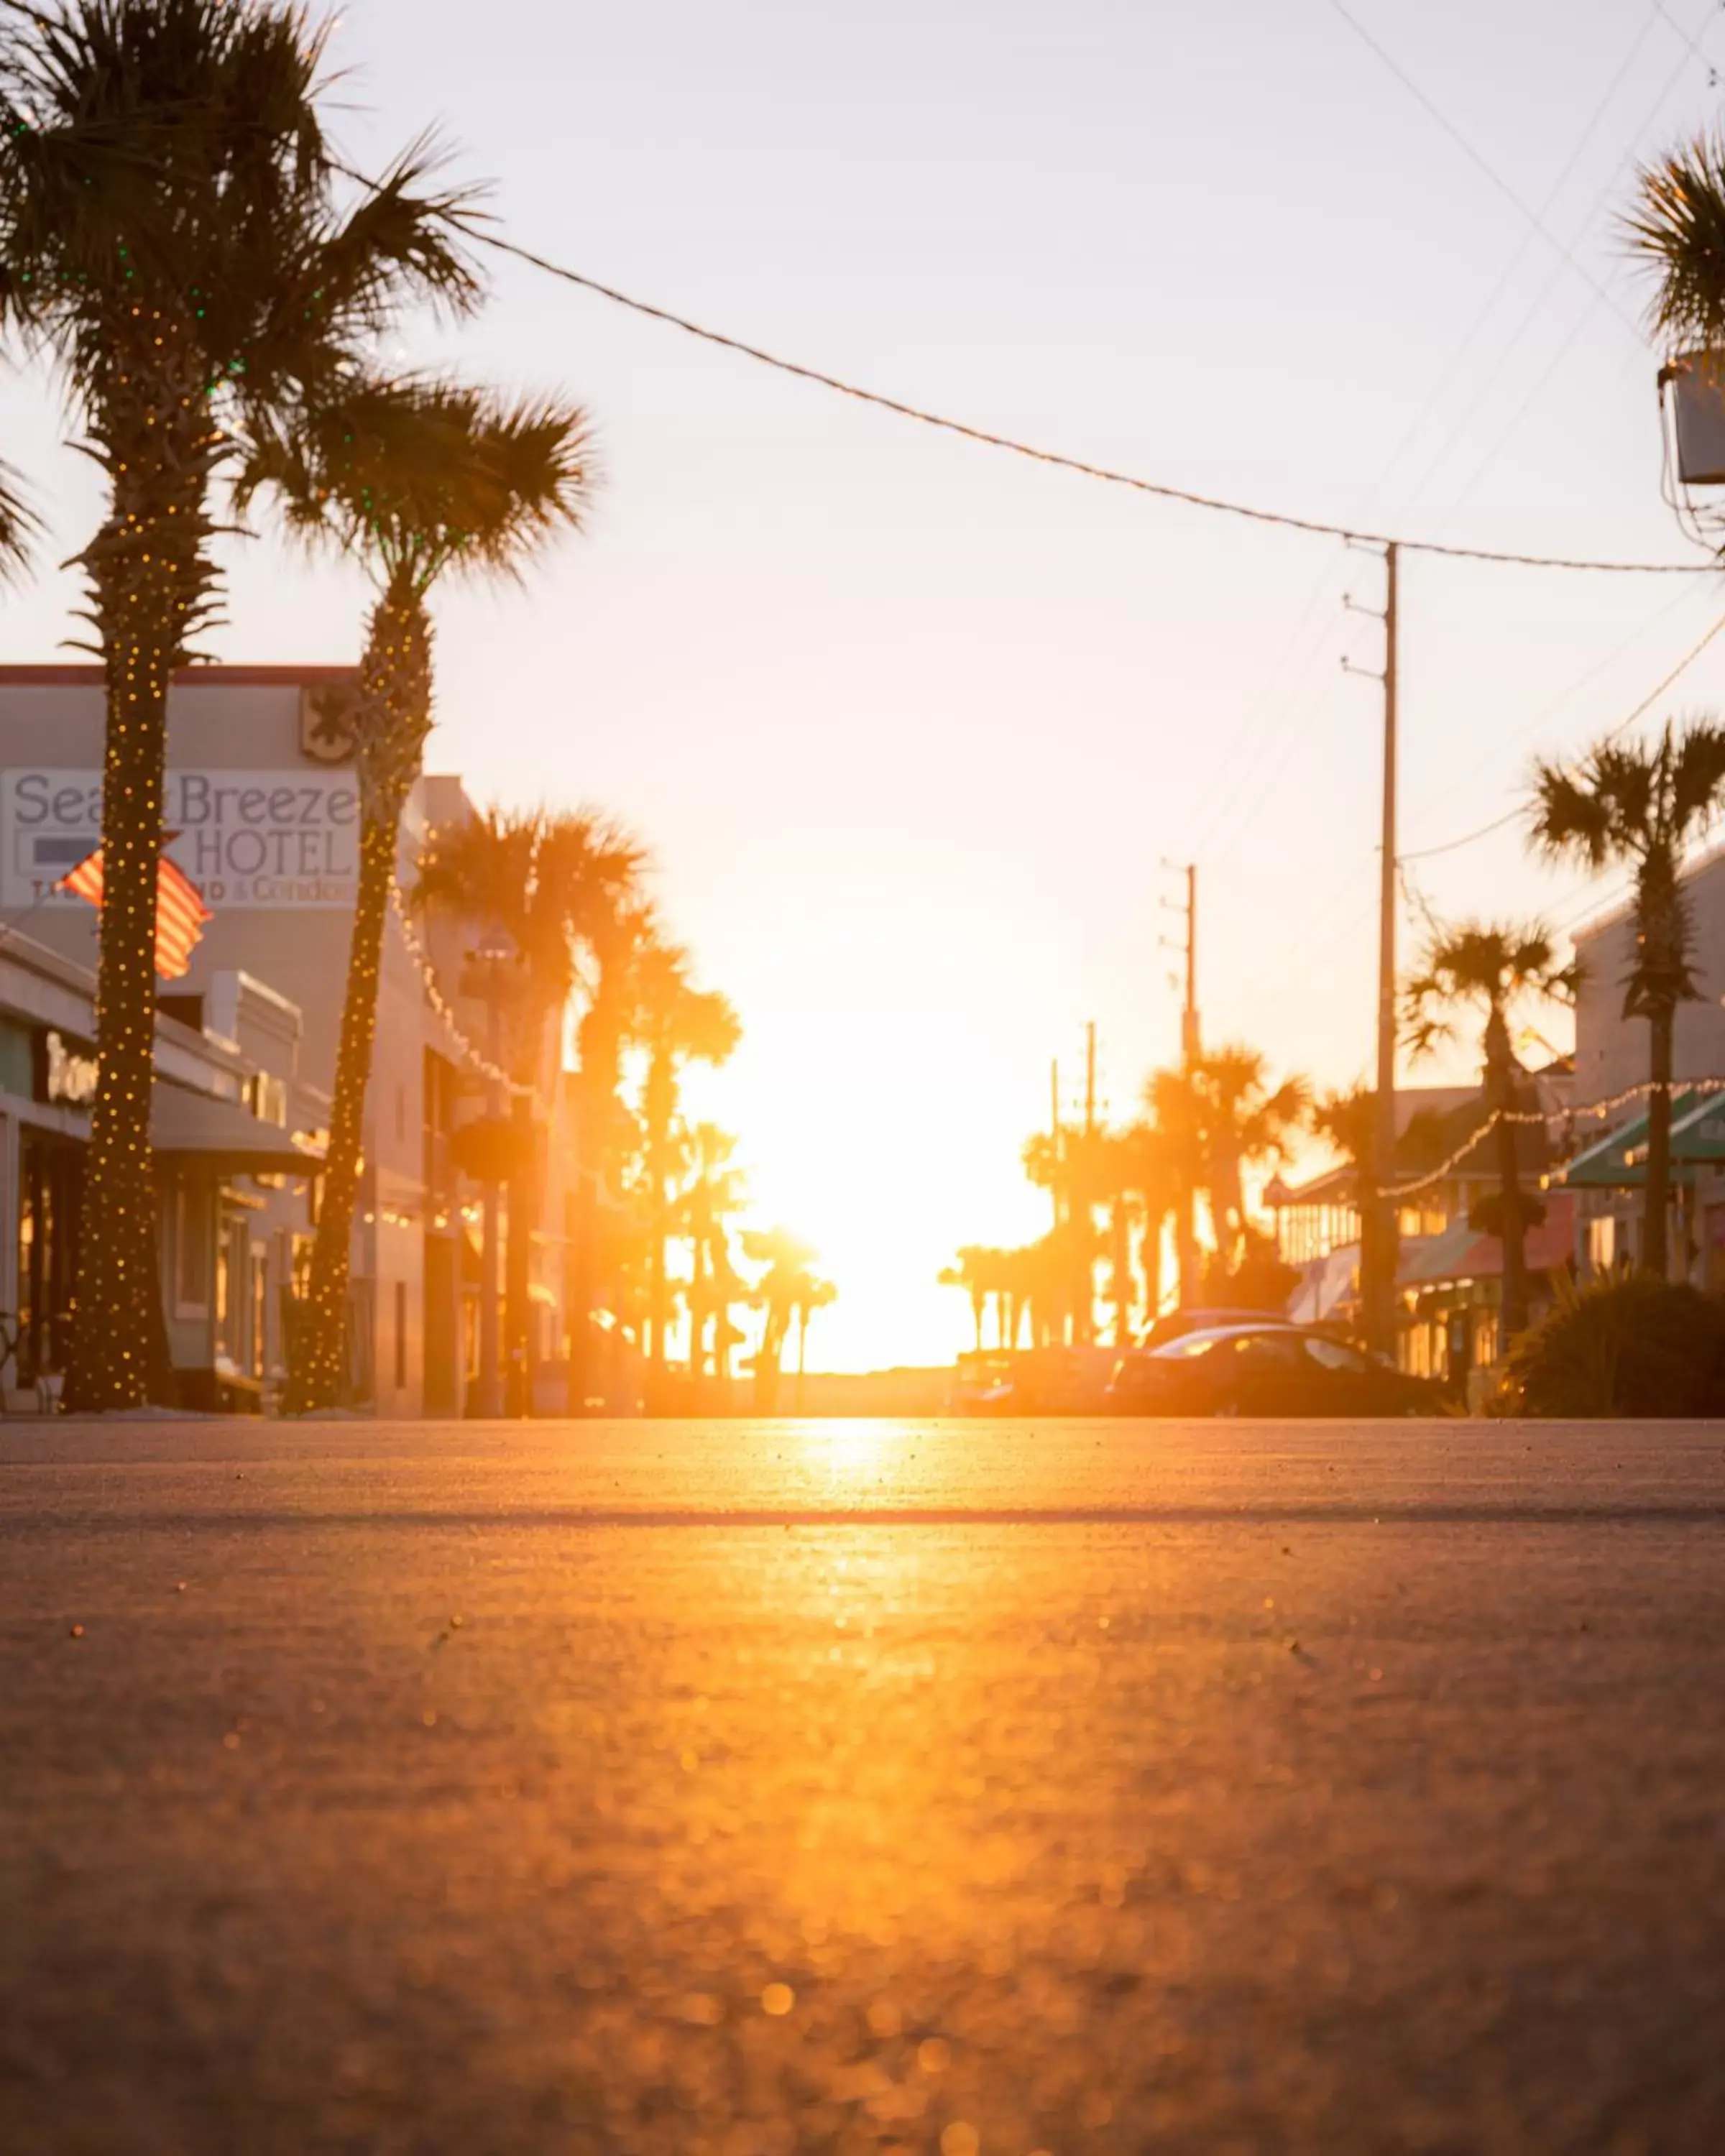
(50, 1198)
(193, 1207)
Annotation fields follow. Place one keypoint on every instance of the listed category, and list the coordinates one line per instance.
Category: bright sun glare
(870, 1130)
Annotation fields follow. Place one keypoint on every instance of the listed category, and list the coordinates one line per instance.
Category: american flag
(180, 910)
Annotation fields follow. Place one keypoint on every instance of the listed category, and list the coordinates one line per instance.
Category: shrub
(1632, 1346)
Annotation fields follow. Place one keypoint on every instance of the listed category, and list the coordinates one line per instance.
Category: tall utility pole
(1191, 1047)
(1190, 1039)
(1053, 1132)
(1378, 1238)
(1381, 1317)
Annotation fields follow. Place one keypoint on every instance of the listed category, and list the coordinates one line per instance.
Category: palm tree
(710, 1199)
(1247, 1123)
(1486, 968)
(1151, 1171)
(172, 238)
(971, 1269)
(679, 1024)
(1047, 1159)
(419, 479)
(1640, 803)
(552, 884)
(606, 1132)
(1179, 1114)
(788, 1291)
(1074, 1166)
(813, 1293)
(1346, 1120)
(1118, 1189)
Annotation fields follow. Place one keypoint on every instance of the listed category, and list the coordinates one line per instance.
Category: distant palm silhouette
(607, 1138)
(677, 1024)
(1246, 1122)
(789, 1291)
(712, 1196)
(554, 885)
(1640, 804)
(1487, 967)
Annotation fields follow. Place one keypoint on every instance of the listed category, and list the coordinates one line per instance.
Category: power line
(1562, 699)
(1564, 349)
(989, 439)
(1624, 163)
(1549, 202)
(1623, 725)
(1477, 158)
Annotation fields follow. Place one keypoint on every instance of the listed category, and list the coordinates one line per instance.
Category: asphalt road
(670, 1789)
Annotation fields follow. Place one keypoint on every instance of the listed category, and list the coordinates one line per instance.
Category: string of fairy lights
(1567, 1117)
(987, 438)
(159, 555)
(440, 1003)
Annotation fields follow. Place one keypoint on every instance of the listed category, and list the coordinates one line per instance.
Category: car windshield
(1333, 1356)
(1265, 1346)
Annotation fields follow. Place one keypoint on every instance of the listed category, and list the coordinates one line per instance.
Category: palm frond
(423, 473)
(1569, 817)
(20, 526)
(1679, 230)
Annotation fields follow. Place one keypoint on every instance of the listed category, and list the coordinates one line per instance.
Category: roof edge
(70, 676)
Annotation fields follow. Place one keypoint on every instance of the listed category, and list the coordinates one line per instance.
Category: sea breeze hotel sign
(244, 838)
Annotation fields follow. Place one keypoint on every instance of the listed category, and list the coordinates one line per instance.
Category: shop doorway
(50, 1175)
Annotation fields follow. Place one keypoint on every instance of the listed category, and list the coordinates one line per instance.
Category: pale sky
(911, 725)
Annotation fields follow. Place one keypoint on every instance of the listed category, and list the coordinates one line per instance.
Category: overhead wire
(1483, 164)
(1549, 286)
(1561, 698)
(1277, 698)
(1467, 838)
(1466, 343)
(1281, 706)
(1057, 459)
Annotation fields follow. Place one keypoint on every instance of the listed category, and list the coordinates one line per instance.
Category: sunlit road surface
(973, 1788)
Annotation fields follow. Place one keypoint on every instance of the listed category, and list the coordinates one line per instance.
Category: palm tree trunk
(523, 1189)
(317, 1366)
(801, 1351)
(1186, 1246)
(1655, 1241)
(766, 1362)
(581, 1266)
(150, 588)
(1150, 1258)
(1228, 1198)
(1500, 1063)
(595, 1119)
(1120, 1263)
(395, 707)
(659, 1096)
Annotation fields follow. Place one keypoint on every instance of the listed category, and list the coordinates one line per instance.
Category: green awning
(1619, 1161)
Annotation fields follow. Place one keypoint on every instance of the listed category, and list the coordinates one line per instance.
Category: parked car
(1176, 1324)
(1264, 1369)
(1020, 1381)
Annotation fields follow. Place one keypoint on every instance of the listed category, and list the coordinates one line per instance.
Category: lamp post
(486, 976)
